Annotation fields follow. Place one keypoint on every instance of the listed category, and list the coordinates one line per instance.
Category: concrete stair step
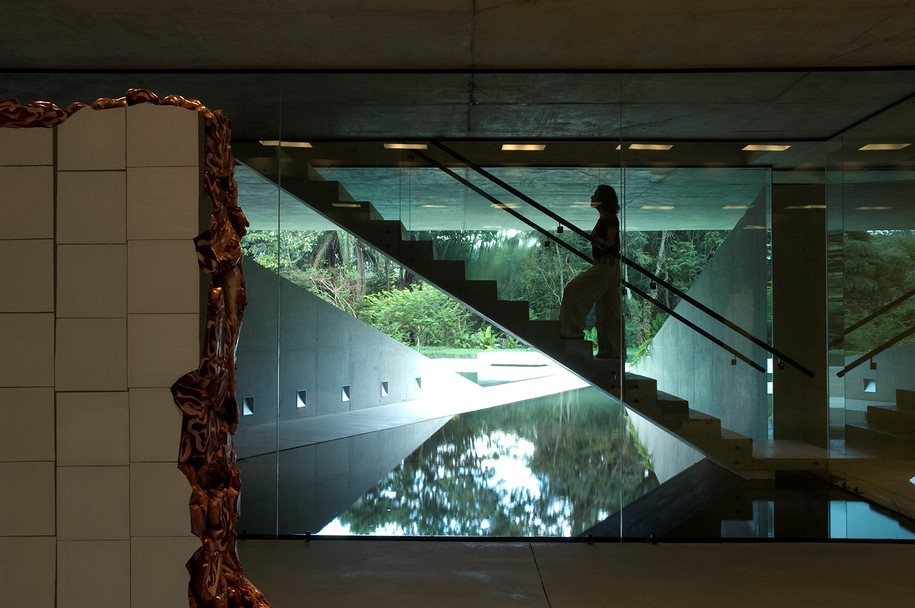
(317, 193)
(905, 400)
(865, 438)
(672, 410)
(891, 419)
(700, 427)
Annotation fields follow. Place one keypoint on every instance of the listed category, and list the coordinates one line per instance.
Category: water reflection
(547, 467)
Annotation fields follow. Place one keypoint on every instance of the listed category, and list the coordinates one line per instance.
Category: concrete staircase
(888, 430)
(639, 393)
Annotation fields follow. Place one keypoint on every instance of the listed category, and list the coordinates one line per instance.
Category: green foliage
(418, 316)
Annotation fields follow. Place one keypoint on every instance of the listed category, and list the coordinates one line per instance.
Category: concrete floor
(445, 574)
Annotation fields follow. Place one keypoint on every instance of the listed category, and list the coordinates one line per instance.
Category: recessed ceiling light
(406, 146)
(874, 208)
(660, 147)
(796, 207)
(657, 207)
(505, 205)
(434, 206)
(870, 147)
(347, 205)
(524, 147)
(754, 227)
(736, 207)
(765, 148)
(285, 144)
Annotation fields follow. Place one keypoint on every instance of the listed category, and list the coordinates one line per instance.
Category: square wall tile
(91, 281)
(91, 574)
(164, 203)
(92, 429)
(92, 207)
(27, 430)
(31, 146)
(155, 425)
(93, 140)
(26, 202)
(91, 355)
(157, 574)
(27, 349)
(159, 496)
(93, 503)
(27, 571)
(27, 268)
(162, 348)
(27, 499)
(163, 136)
(163, 277)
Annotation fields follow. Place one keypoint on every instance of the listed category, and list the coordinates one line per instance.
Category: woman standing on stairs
(599, 284)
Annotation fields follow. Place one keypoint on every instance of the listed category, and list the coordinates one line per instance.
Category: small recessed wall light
(657, 207)
(765, 148)
(285, 144)
(524, 147)
(406, 146)
(657, 147)
(872, 147)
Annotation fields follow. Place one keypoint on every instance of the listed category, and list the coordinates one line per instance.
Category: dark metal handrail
(879, 312)
(588, 259)
(876, 351)
(635, 266)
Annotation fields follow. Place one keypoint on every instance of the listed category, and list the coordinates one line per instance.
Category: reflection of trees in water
(578, 465)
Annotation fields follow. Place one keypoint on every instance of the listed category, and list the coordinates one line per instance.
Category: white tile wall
(163, 136)
(155, 425)
(26, 202)
(27, 427)
(163, 203)
(93, 140)
(91, 355)
(162, 348)
(33, 146)
(163, 277)
(91, 574)
(27, 268)
(27, 500)
(91, 281)
(92, 429)
(27, 567)
(27, 349)
(93, 503)
(158, 577)
(91, 207)
(159, 495)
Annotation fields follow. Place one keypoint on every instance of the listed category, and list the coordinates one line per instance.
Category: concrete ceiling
(707, 76)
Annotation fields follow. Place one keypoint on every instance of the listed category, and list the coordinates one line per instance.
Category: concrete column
(801, 409)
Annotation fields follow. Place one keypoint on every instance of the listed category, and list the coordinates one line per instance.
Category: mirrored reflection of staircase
(888, 430)
(639, 393)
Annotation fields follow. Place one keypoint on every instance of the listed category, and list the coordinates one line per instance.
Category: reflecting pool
(553, 466)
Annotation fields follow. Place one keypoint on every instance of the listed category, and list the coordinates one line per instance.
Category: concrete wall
(894, 370)
(100, 314)
(353, 354)
(689, 366)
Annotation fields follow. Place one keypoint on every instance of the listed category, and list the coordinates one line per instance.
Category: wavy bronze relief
(206, 395)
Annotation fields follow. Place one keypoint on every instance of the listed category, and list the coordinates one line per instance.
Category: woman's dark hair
(608, 197)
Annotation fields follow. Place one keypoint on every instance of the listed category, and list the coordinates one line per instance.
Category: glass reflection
(546, 467)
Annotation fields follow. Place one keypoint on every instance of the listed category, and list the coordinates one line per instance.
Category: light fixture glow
(874, 208)
(431, 206)
(657, 147)
(657, 207)
(754, 227)
(505, 205)
(347, 205)
(736, 207)
(796, 207)
(872, 147)
(406, 146)
(765, 148)
(912, 481)
(285, 144)
(524, 147)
